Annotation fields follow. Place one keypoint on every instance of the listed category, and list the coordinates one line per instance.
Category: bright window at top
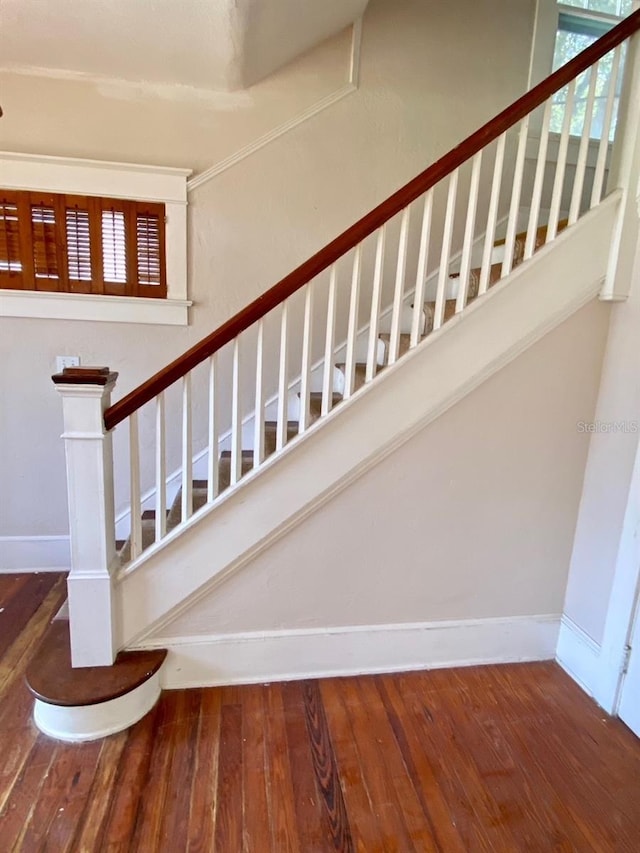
(619, 8)
(580, 24)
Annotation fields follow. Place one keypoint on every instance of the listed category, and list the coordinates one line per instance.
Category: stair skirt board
(537, 297)
(355, 650)
(89, 722)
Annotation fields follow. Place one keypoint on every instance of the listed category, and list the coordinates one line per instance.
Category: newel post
(86, 393)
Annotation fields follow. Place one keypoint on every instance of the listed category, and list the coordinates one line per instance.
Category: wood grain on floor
(496, 758)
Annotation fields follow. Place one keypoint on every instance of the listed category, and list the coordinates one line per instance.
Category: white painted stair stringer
(535, 298)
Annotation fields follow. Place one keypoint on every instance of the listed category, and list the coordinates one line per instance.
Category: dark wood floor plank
(362, 819)
(386, 807)
(19, 605)
(256, 829)
(228, 832)
(146, 835)
(130, 784)
(16, 657)
(604, 741)
(8, 585)
(419, 767)
(494, 761)
(282, 816)
(547, 807)
(61, 797)
(592, 808)
(409, 806)
(23, 797)
(323, 823)
(91, 824)
(182, 778)
(314, 832)
(16, 706)
(461, 787)
(200, 833)
(18, 740)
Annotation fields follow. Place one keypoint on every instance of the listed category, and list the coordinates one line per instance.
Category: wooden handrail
(370, 223)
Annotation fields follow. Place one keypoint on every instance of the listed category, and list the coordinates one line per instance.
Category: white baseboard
(578, 654)
(353, 650)
(34, 554)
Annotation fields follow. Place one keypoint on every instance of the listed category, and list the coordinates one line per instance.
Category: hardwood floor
(498, 758)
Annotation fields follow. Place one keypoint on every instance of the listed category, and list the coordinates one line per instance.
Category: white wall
(429, 76)
(613, 447)
(471, 519)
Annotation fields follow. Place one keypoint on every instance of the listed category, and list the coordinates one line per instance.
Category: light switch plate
(63, 361)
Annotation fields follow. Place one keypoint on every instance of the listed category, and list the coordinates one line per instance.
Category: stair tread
(359, 373)
(315, 404)
(51, 678)
(403, 343)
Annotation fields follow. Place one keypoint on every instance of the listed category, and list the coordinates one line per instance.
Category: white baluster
(161, 470)
(376, 293)
(558, 184)
(538, 182)
(283, 384)
(212, 443)
(603, 149)
(514, 207)
(417, 319)
(492, 216)
(134, 487)
(445, 255)
(187, 454)
(352, 330)
(327, 375)
(398, 293)
(305, 374)
(258, 418)
(236, 416)
(469, 228)
(583, 151)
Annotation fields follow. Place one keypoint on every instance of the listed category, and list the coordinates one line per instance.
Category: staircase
(298, 395)
(199, 488)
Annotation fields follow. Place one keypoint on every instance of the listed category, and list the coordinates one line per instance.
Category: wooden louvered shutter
(150, 250)
(14, 239)
(116, 247)
(47, 241)
(83, 237)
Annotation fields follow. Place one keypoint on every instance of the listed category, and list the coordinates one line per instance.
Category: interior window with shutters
(82, 244)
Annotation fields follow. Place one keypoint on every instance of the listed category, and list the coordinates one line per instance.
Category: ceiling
(221, 45)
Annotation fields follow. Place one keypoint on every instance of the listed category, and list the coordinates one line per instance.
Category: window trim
(40, 173)
(546, 24)
(547, 17)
